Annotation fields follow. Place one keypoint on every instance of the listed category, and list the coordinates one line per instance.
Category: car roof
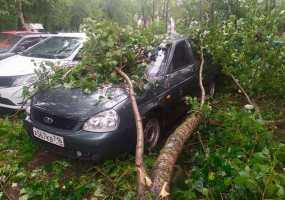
(173, 38)
(38, 35)
(79, 35)
(22, 33)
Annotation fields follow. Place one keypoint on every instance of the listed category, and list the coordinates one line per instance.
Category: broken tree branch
(142, 178)
(66, 74)
(164, 165)
(249, 100)
(203, 93)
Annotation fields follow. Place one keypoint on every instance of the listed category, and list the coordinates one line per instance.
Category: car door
(179, 79)
(181, 70)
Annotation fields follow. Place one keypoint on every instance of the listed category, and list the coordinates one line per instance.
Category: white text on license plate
(50, 138)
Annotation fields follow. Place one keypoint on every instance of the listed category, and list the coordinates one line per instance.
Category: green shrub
(245, 47)
(240, 161)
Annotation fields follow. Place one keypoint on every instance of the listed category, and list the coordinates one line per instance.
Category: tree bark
(200, 11)
(164, 165)
(163, 168)
(267, 5)
(153, 10)
(20, 14)
(166, 14)
(273, 4)
(212, 12)
(142, 178)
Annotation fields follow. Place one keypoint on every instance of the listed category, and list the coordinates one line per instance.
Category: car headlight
(103, 122)
(23, 80)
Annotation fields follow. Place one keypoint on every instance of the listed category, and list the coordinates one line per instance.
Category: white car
(19, 70)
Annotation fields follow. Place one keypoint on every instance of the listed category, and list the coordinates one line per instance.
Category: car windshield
(157, 58)
(54, 48)
(7, 41)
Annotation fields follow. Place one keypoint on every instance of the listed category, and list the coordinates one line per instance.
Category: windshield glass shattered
(157, 58)
(55, 48)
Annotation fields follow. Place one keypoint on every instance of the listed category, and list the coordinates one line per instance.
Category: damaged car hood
(74, 103)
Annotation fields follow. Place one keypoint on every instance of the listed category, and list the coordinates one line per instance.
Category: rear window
(7, 42)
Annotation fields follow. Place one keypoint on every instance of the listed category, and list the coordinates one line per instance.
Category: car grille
(6, 102)
(58, 121)
(6, 81)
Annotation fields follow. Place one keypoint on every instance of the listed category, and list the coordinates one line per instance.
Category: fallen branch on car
(142, 177)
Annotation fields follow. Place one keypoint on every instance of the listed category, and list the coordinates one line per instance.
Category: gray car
(92, 127)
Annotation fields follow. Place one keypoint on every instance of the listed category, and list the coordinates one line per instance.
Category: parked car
(93, 127)
(19, 70)
(13, 42)
(35, 27)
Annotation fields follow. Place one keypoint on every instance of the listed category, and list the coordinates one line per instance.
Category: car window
(182, 56)
(27, 43)
(55, 48)
(157, 58)
(7, 42)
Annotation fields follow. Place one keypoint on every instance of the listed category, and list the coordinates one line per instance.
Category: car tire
(152, 132)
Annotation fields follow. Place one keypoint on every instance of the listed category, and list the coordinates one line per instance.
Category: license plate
(50, 138)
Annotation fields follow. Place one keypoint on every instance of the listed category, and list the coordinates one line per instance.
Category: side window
(182, 56)
(27, 43)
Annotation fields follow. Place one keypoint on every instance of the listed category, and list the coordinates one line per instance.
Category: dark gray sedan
(101, 125)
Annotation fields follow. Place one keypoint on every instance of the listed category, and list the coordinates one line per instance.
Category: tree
(20, 14)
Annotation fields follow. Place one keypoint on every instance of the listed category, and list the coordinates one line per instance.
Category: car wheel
(151, 133)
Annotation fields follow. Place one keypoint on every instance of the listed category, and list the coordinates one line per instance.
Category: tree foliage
(108, 46)
(247, 48)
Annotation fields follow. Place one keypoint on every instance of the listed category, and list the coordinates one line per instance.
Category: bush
(240, 161)
(245, 47)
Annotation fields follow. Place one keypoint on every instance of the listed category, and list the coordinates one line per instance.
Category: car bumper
(87, 145)
(12, 98)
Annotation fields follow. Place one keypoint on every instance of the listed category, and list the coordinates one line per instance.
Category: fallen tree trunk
(163, 169)
(164, 165)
